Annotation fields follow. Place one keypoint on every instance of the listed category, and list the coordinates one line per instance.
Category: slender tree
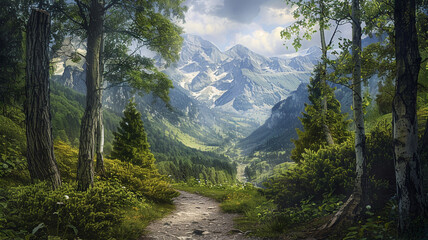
(148, 23)
(85, 171)
(99, 169)
(412, 205)
(353, 208)
(40, 155)
(315, 12)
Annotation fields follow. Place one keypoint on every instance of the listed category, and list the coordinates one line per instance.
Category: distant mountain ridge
(217, 96)
(239, 80)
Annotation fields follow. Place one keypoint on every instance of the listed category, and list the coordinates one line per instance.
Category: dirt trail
(195, 217)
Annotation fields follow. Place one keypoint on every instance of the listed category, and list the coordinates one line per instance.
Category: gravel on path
(195, 217)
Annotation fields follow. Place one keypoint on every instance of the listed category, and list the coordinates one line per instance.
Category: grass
(137, 219)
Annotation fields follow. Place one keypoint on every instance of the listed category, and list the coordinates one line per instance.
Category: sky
(255, 24)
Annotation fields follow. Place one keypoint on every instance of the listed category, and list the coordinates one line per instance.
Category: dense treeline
(172, 157)
(183, 163)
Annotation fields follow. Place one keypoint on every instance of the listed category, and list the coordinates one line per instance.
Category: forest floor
(195, 217)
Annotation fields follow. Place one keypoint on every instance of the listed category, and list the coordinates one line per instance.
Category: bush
(329, 170)
(66, 157)
(332, 170)
(142, 181)
(11, 158)
(93, 214)
(13, 133)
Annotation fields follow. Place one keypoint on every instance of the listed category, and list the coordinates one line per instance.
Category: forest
(74, 165)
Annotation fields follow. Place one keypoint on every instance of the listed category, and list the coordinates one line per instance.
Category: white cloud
(261, 35)
(263, 42)
(276, 16)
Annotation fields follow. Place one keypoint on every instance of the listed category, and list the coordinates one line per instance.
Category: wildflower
(59, 203)
(66, 197)
(368, 207)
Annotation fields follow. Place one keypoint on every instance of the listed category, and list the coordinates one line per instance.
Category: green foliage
(12, 55)
(66, 157)
(332, 170)
(312, 136)
(94, 214)
(375, 226)
(130, 141)
(280, 221)
(12, 148)
(309, 15)
(13, 132)
(142, 181)
(328, 170)
(11, 158)
(67, 111)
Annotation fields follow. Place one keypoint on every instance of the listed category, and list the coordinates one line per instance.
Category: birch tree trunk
(361, 181)
(354, 206)
(85, 171)
(411, 199)
(323, 77)
(99, 168)
(40, 155)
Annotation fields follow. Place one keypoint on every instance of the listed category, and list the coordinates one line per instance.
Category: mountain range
(239, 80)
(218, 96)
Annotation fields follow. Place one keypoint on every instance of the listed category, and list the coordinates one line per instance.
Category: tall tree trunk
(323, 77)
(99, 168)
(40, 155)
(85, 171)
(361, 181)
(412, 203)
(354, 206)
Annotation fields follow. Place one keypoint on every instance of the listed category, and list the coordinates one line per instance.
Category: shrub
(332, 170)
(93, 214)
(12, 133)
(66, 157)
(11, 158)
(329, 170)
(142, 181)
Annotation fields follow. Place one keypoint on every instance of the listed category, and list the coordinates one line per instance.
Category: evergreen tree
(130, 141)
(312, 136)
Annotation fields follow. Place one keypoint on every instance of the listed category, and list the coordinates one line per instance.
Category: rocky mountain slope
(217, 96)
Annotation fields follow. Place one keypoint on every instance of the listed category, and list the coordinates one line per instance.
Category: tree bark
(361, 181)
(411, 199)
(99, 168)
(85, 171)
(40, 155)
(354, 206)
(323, 77)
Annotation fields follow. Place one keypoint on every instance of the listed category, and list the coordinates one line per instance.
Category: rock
(198, 232)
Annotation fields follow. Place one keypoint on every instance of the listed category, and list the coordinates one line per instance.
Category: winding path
(195, 217)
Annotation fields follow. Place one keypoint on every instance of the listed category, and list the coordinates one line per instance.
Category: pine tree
(312, 136)
(130, 141)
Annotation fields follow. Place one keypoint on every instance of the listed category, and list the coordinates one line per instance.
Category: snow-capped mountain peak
(239, 80)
